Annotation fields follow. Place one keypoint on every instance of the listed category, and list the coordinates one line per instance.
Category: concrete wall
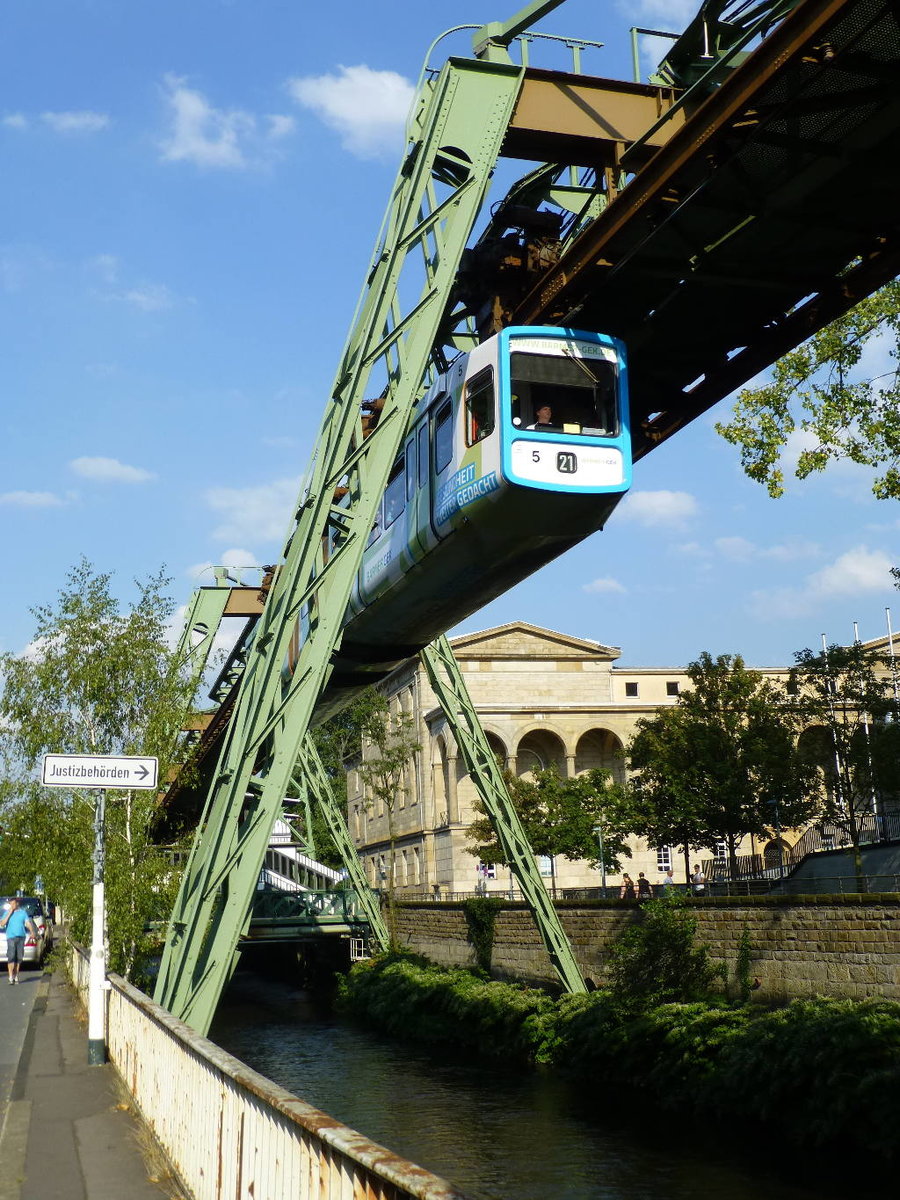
(842, 946)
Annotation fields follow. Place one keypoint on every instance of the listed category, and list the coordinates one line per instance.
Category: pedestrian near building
(698, 881)
(644, 890)
(626, 891)
(668, 882)
(15, 924)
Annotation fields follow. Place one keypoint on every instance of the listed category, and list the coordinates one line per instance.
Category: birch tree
(94, 680)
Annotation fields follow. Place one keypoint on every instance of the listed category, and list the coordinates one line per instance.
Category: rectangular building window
(672, 687)
(720, 850)
(631, 689)
(664, 858)
(545, 865)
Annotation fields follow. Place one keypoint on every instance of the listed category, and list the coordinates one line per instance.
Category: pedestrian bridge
(301, 915)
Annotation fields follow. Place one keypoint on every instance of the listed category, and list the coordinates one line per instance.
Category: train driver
(543, 418)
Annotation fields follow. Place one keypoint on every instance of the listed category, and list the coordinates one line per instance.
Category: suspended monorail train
(519, 451)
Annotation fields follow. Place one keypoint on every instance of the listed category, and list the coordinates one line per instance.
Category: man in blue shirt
(14, 924)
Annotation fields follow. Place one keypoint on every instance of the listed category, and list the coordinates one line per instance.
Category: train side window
(410, 469)
(423, 455)
(395, 493)
(480, 407)
(443, 438)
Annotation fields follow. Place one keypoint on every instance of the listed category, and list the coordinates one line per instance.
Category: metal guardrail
(230, 1132)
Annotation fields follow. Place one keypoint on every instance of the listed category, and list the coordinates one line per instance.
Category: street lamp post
(598, 829)
(778, 835)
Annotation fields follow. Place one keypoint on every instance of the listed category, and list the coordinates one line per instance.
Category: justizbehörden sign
(99, 771)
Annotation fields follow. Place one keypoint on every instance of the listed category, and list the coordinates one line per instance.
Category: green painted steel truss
(458, 129)
(448, 685)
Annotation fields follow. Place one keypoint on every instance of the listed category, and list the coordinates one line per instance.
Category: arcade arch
(538, 751)
(600, 748)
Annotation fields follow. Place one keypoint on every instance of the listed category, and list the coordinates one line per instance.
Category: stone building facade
(545, 699)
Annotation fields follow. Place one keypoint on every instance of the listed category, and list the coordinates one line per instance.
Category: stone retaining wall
(845, 946)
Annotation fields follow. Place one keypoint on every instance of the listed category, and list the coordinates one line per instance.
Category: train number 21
(566, 463)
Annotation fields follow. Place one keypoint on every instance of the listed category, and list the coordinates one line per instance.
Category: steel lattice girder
(772, 211)
(311, 777)
(448, 685)
(462, 119)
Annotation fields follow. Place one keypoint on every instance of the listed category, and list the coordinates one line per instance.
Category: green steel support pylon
(448, 685)
(201, 623)
(458, 128)
(311, 778)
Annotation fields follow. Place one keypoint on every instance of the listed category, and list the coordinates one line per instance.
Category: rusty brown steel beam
(711, 123)
(834, 300)
(585, 120)
(244, 602)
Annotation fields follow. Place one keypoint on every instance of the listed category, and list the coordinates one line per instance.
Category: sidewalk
(67, 1132)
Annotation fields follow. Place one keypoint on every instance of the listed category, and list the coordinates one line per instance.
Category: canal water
(498, 1134)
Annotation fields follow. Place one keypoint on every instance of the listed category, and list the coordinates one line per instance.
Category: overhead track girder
(458, 129)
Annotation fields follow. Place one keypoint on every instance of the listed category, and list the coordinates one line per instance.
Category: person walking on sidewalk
(14, 924)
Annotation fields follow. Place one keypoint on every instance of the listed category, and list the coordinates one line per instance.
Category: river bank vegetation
(669, 1026)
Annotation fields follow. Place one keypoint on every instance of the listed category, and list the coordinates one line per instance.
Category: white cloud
(106, 266)
(779, 604)
(238, 562)
(853, 574)
(75, 122)
(254, 514)
(31, 499)
(280, 126)
(15, 121)
(662, 508)
(738, 549)
(605, 584)
(669, 16)
(151, 297)
(366, 108)
(792, 550)
(856, 573)
(109, 470)
(691, 550)
(230, 139)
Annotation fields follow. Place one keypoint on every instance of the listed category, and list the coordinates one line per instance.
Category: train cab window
(395, 493)
(443, 438)
(423, 455)
(480, 407)
(580, 393)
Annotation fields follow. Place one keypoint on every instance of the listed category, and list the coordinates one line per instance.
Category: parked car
(36, 948)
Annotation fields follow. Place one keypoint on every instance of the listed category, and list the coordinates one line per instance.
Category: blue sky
(191, 195)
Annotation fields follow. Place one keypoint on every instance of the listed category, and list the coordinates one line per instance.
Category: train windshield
(564, 392)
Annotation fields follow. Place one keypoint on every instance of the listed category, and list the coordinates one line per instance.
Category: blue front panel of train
(566, 454)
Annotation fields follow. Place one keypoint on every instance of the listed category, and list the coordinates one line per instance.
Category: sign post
(100, 771)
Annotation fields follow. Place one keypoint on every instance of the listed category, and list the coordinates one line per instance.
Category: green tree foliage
(815, 390)
(560, 816)
(656, 960)
(95, 680)
(388, 744)
(714, 765)
(852, 743)
(338, 742)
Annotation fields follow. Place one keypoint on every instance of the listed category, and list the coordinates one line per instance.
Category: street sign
(99, 771)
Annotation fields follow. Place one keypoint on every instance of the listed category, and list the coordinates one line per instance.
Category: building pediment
(520, 639)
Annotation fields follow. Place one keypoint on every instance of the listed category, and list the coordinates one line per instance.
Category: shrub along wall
(842, 946)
